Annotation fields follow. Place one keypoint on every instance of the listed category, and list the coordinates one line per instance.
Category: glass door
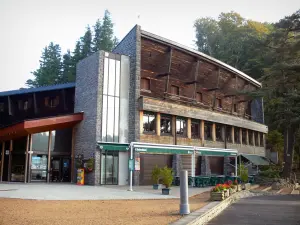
(109, 167)
(39, 167)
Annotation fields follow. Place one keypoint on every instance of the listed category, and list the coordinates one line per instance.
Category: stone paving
(41, 191)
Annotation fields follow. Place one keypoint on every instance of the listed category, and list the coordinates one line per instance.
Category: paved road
(262, 210)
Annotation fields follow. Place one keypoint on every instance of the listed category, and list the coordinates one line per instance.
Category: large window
(165, 124)
(145, 84)
(149, 122)
(207, 130)
(219, 131)
(228, 134)
(181, 127)
(237, 135)
(195, 128)
(244, 138)
(111, 100)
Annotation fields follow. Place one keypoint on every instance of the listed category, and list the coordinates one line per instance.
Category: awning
(256, 160)
(106, 146)
(39, 125)
(216, 152)
(162, 149)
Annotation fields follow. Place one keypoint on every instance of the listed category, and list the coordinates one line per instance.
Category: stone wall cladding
(131, 46)
(88, 99)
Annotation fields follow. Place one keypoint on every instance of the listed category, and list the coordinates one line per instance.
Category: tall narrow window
(195, 129)
(207, 130)
(219, 132)
(237, 135)
(149, 122)
(199, 97)
(145, 84)
(174, 90)
(181, 127)
(165, 124)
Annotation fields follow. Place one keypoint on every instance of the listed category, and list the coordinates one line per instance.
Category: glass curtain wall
(111, 100)
(109, 167)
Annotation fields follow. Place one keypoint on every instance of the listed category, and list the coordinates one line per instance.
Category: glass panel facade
(149, 122)
(109, 167)
(111, 99)
(40, 142)
(207, 130)
(165, 124)
(181, 127)
(195, 129)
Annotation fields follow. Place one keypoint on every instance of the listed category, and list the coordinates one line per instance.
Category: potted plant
(167, 179)
(217, 193)
(156, 175)
(244, 176)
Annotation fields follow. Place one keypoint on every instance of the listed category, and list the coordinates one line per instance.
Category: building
(169, 104)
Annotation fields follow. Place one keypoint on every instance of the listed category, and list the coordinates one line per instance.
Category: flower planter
(226, 193)
(155, 186)
(232, 190)
(217, 196)
(165, 191)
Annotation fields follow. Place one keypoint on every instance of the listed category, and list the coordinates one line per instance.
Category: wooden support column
(213, 132)
(73, 155)
(189, 128)
(202, 131)
(141, 122)
(2, 160)
(157, 124)
(26, 159)
(247, 137)
(241, 136)
(10, 159)
(49, 156)
(258, 138)
(232, 134)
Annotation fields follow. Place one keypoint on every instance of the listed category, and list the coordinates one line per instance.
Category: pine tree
(49, 72)
(97, 33)
(67, 73)
(86, 43)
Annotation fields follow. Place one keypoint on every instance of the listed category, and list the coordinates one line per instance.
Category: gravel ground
(41, 212)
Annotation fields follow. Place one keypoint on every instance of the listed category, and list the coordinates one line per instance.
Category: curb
(209, 211)
(266, 189)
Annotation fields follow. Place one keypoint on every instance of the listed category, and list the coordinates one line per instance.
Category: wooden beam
(2, 160)
(49, 156)
(157, 124)
(26, 158)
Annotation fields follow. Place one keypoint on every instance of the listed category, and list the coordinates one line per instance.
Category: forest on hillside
(268, 52)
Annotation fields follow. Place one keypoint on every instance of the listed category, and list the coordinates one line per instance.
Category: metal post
(236, 166)
(49, 156)
(131, 158)
(184, 193)
(193, 165)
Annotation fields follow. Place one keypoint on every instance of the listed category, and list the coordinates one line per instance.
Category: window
(165, 124)
(199, 97)
(145, 84)
(195, 129)
(261, 136)
(235, 108)
(207, 130)
(244, 136)
(52, 102)
(174, 90)
(219, 131)
(219, 103)
(228, 134)
(1, 107)
(181, 127)
(250, 133)
(149, 122)
(256, 138)
(237, 135)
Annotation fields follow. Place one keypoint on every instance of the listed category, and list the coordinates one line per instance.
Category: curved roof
(202, 55)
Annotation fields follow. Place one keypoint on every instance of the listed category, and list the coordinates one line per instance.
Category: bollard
(184, 193)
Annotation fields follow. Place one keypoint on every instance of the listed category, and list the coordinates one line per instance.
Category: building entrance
(109, 167)
(60, 169)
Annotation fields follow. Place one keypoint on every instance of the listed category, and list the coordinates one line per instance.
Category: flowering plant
(230, 184)
(235, 182)
(218, 188)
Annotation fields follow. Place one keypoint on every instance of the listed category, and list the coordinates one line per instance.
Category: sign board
(137, 164)
(131, 164)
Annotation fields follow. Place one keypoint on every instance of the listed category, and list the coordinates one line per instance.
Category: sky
(28, 26)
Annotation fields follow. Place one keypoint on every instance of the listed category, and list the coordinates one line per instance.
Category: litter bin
(80, 176)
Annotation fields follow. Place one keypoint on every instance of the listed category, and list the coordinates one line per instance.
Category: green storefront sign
(215, 153)
(163, 150)
(113, 147)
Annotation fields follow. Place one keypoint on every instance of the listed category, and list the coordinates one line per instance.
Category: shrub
(167, 176)
(243, 171)
(156, 175)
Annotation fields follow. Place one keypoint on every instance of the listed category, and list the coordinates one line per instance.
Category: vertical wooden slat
(49, 156)
(232, 135)
(189, 128)
(213, 132)
(26, 159)
(2, 159)
(158, 124)
(202, 131)
(10, 159)
(73, 155)
(141, 122)
(247, 137)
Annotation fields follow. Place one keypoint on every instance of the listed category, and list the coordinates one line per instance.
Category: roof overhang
(39, 125)
(203, 56)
